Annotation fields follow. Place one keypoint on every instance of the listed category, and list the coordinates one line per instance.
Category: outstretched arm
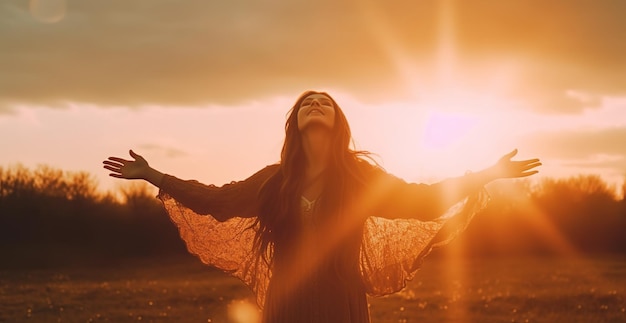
(454, 189)
(426, 202)
(507, 168)
(230, 200)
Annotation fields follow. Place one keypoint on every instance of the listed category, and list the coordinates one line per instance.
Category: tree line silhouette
(51, 217)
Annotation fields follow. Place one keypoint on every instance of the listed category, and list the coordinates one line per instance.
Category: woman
(315, 233)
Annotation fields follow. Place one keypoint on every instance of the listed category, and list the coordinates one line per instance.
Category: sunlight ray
(541, 222)
(446, 49)
(447, 84)
(312, 252)
(404, 64)
(536, 218)
(456, 277)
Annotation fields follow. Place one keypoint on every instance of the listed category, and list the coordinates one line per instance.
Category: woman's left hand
(507, 168)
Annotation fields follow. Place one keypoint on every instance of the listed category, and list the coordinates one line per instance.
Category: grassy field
(480, 290)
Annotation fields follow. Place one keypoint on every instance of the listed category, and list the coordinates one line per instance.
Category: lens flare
(242, 311)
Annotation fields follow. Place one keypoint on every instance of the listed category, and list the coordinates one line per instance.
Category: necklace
(307, 207)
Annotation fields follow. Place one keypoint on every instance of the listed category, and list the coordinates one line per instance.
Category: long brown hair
(278, 221)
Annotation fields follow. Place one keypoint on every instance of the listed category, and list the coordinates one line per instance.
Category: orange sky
(201, 88)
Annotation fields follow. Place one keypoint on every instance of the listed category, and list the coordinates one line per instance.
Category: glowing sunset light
(433, 89)
(427, 87)
(445, 131)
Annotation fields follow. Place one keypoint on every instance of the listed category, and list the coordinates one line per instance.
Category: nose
(315, 102)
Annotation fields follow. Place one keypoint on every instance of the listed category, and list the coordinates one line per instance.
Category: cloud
(616, 163)
(167, 151)
(562, 46)
(579, 144)
(134, 53)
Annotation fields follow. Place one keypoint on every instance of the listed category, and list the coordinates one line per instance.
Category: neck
(316, 142)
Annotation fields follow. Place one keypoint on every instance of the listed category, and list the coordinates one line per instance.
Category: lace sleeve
(398, 237)
(217, 224)
(392, 250)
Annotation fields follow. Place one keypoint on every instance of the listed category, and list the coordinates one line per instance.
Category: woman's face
(316, 109)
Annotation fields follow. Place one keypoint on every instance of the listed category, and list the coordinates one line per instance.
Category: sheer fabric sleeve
(393, 248)
(216, 224)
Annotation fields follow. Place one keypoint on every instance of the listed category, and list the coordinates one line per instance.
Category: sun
(449, 122)
(444, 130)
(455, 136)
(432, 138)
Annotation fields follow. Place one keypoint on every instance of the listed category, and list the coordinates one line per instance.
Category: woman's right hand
(128, 169)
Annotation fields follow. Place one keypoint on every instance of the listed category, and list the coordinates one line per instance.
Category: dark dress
(325, 275)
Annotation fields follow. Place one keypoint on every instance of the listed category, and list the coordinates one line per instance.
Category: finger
(117, 170)
(116, 175)
(524, 166)
(120, 160)
(534, 160)
(527, 161)
(510, 155)
(535, 164)
(526, 174)
(529, 166)
(133, 154)
(113, 169)
(110, 163)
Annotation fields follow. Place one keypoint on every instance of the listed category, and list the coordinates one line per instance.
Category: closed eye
(326, 103)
